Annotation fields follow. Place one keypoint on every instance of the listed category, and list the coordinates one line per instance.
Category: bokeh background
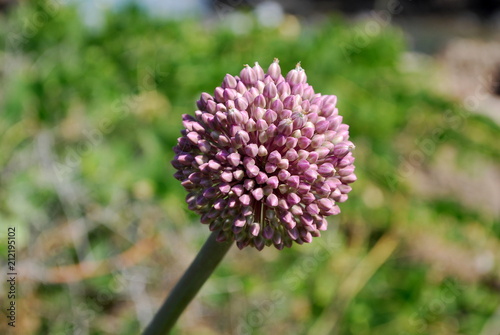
(91, 97)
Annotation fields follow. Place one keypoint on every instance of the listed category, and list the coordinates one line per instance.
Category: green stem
(188, 286)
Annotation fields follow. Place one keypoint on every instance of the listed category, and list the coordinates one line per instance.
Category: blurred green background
(88, 120)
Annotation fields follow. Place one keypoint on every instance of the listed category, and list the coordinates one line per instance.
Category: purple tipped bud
(226, 176)
(292, 199)
(258, 194)
(342, 149)
(274, 70)
(293, 181)
(283, 164)
(283, 89)
(310, 175)
(308, 131)
(273, 182)
(346, 171)
(254, 229)
(299, 120)
(274, 157)
(234, 159)
(270, 91)
(277, 105)
(312, 209)
(241, 103)
(327, 110)
(317, 140)
(285, 127)
(229, 81)
(303, 142)
(252, 171)
(326, 170)
(289, 102)
(270, 167)
(245, 199)
(349, 179)
(258, 71)
(261, 178)
(248, 76)
(259, 101)
(242, 137)
(262, 151)
(270, 116)
(261, 125)
(291, 142)
(303, 165)
(268, 232)
(325, 204)
(272, 200)
(283, 175)
(251, 150)
(229, 94)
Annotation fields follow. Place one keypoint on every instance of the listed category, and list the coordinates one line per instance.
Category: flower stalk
(188, 286)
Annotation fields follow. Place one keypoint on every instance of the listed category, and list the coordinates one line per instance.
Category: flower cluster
(265, 159)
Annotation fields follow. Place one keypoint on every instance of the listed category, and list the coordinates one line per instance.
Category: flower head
(265, 159)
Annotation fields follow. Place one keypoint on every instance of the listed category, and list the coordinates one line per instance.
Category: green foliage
(88, 121)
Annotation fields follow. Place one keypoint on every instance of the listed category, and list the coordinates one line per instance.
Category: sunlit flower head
(265, 159)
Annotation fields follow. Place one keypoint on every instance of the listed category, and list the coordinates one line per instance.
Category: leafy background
(88, 121)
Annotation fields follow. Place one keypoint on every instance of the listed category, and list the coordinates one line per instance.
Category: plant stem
(188, 286)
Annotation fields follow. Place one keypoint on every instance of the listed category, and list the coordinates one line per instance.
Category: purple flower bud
(270, 91)
(270, 116)
(326, 170)
(248, 76)
(308, 131)
(293, 181)
(258, 194)
(242, 137)
(283, 164)
(261, 125)
(274, 70)
(274, 157)
(234, 159)
(292, 199)
(346, 171)
(259, 101)
(229, 81)
(273, 182)
(261, 177)
(283, 90)
(272, 200)
(277, 105)
(252, 171)
(310, 175)
(283, 175)
(285, 127)
(245, 199)
(313, 157)
(327, 110)
(241, 103)
(303, 142)
(349, 179)
(265, 159)
(342, 149)
(270, 167)
(258, 71)
(262, 151)
(250, 126)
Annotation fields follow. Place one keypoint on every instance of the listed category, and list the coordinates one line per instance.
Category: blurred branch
(354, 282)
(90, 269)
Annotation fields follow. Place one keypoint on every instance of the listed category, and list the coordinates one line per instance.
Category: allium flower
(265, 159)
